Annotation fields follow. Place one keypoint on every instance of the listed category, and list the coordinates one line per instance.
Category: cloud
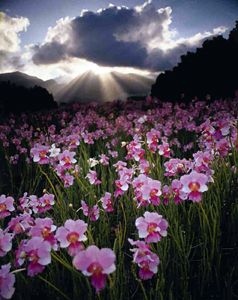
(10, 41)
(10, 62)
(9, 30)
(139, 37)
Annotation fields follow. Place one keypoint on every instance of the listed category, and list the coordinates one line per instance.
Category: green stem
(54, 287)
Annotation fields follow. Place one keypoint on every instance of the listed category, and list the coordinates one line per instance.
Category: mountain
(133, 84)
(104, 87)
(51, 85)
(27, 81)
(87, 86)
(22, 79)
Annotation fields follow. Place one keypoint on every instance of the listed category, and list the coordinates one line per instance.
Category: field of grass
(157, 186)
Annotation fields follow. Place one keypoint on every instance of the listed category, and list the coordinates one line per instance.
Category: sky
(63, 38)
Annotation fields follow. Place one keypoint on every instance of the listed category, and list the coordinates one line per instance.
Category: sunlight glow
(78, 66)
(67, 70)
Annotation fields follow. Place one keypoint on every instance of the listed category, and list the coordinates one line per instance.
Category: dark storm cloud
(92, 36)
(49, 53)
(115, 36)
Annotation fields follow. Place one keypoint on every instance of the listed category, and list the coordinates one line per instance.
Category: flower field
(120, 201)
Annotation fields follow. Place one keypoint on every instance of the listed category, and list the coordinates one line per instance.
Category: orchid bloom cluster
(132, 144)
(93, 212)
(147, 190)
(151, 227)
(33, 204)
(36, 253)
(125, 177)
(135, 150)
(92, 177)
(37, 237)
(63, 163)
(214, 131)
(153, 137)
(216, 136)
(176, 166)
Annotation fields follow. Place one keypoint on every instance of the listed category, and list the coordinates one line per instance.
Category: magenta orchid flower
(146, 260)
(40, 154)
(92, 177)
(38, 255)
(107, 202)
(91, 212)
(96, 263)
(20, 224)
(152, 139)
(6, 206)
(7, 280)
(46, 202)
(152, 227)
(5, 242)
(194, 184)
(178, 194)
(44, 228)
(72, 235)
(66, 159)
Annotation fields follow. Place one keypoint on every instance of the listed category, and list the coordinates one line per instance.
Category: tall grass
(198, 258)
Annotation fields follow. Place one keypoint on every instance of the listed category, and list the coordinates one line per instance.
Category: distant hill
(133, 84)
(111, 86)
(87, 86)
(22, 79)
(15, 98)
(212, 70)
(52, 86)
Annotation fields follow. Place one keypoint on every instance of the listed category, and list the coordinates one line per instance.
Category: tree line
(210, 72)
(16, 99)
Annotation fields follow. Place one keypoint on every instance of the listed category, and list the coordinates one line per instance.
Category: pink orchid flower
(96, 263)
